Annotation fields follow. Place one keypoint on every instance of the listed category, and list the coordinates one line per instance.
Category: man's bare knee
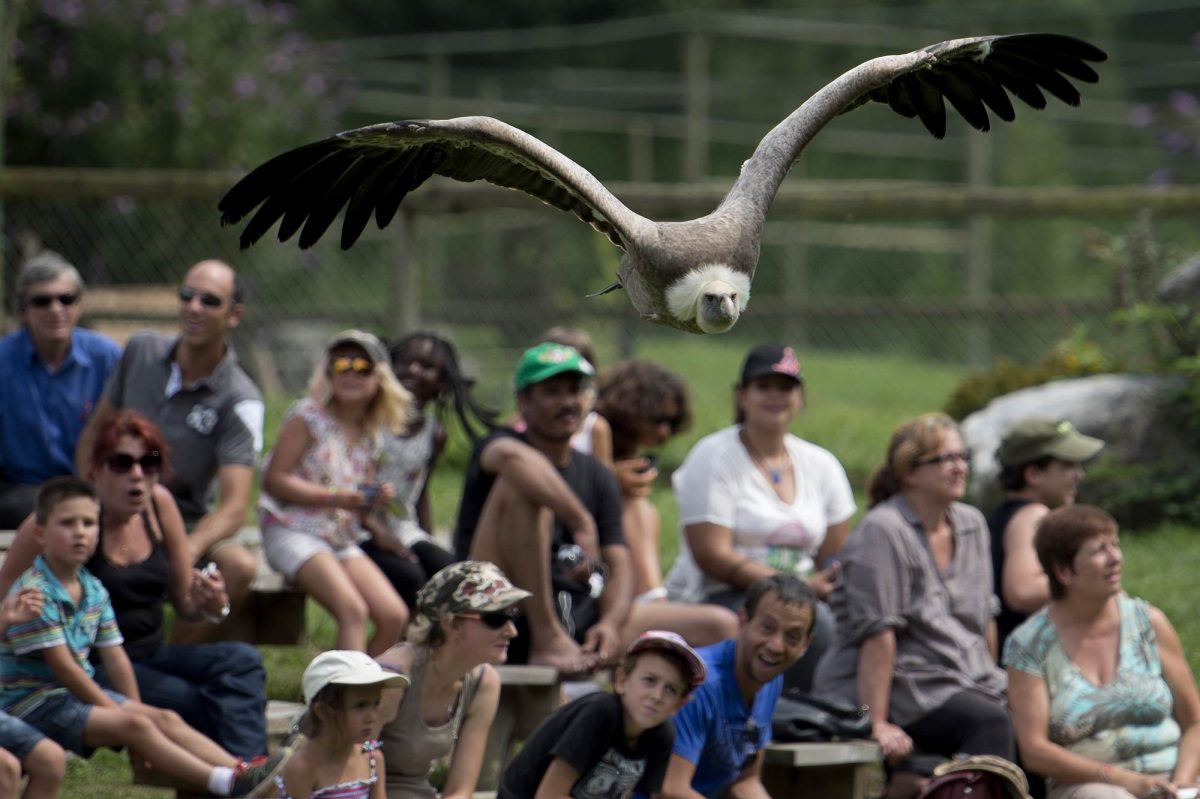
(238, 565)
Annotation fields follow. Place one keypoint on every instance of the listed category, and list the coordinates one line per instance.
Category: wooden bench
(273, 612)
(835, 770)
(527, 695)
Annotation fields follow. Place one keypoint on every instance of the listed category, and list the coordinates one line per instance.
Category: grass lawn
(854, 402)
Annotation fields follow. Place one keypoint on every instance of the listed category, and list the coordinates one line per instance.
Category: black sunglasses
(122, 462)
(494, 620)
(208, 300)
(44, 300)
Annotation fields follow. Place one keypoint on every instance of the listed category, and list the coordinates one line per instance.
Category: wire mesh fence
(950, 283)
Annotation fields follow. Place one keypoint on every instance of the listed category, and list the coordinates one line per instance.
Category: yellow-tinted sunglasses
(360, 366)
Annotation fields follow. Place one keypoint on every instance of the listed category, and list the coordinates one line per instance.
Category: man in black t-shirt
(550, 518)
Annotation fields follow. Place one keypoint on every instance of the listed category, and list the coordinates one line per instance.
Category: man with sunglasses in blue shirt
(54, 372)
(211, 414)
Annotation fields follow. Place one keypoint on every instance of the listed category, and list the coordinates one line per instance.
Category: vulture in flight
(692, 275)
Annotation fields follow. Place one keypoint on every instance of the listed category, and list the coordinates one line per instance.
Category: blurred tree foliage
(163, 83)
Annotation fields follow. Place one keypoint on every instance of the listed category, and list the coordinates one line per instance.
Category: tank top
(410, 746)
(404, 462)
(1009, 619)
(354, 789)
(331, 461)
(137, 590)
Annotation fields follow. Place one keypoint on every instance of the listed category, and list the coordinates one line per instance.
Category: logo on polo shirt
(201, 418)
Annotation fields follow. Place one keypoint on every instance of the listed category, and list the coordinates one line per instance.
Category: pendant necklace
(776, 474)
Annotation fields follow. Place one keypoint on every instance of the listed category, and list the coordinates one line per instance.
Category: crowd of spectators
(1007, 636)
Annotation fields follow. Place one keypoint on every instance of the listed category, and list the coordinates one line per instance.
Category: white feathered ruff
(684, 297)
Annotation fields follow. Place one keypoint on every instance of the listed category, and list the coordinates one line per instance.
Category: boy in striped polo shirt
(47, 680)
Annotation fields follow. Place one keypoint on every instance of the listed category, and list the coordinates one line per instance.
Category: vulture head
(713, 295)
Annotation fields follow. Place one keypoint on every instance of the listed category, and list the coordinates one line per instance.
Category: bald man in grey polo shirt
(210, 413)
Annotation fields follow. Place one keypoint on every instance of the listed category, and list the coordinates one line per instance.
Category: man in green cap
(550, 518)
(1041, 464)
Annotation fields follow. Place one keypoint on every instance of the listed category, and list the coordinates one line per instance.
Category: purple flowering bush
(165, 83)
(1175, 125)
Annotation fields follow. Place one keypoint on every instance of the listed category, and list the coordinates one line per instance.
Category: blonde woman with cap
(339, 757)
(317, 489)
(462, 628)
(1041, 466)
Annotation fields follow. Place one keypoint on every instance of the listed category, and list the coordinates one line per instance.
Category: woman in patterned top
(1102, 698)
(318, 486)
(339, 757)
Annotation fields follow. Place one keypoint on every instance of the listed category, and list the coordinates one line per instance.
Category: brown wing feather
(370, 170)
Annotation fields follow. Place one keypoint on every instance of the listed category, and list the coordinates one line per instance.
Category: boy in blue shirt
(720, 735)
(47, 680)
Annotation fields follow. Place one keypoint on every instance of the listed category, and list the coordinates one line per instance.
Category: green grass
(854, 402)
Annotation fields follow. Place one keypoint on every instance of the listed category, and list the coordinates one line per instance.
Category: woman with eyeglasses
(461, 629)
(915, 608)
(645, 405)
(318, 487)
(756, 500)
(142, 559)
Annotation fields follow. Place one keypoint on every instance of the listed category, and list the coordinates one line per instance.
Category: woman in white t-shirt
(755, 500)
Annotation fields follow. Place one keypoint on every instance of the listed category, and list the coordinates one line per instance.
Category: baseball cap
(667, 641)
(346, 667)
(470, 585)
(771, 359)
(369, 343)
(547, 360)
(1035, 438)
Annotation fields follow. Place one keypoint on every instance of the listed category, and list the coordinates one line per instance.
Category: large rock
(1135, 414)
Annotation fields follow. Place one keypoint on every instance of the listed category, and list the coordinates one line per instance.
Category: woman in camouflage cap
(462, 627)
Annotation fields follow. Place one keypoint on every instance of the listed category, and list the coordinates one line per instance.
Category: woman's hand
(1146, 786)
(636, 476)
(208, 593)
(822, 582)
(894, 742)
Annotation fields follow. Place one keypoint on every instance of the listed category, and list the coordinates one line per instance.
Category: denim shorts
(62, 716)
(18, 737)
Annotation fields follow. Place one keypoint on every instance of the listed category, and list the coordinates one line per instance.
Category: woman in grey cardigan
(914, 606)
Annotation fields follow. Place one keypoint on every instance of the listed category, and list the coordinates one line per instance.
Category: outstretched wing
(975, 75)
(370, 170)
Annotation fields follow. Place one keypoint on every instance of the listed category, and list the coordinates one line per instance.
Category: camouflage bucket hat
(472, 585)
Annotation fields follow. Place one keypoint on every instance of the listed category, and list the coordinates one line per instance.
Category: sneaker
(250, 779)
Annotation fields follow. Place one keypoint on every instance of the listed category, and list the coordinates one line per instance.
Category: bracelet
(331, 496)
(735, 567)
(217, 618)
(1102, 773)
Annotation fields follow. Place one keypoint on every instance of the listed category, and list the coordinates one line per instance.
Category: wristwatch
(217, 618)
